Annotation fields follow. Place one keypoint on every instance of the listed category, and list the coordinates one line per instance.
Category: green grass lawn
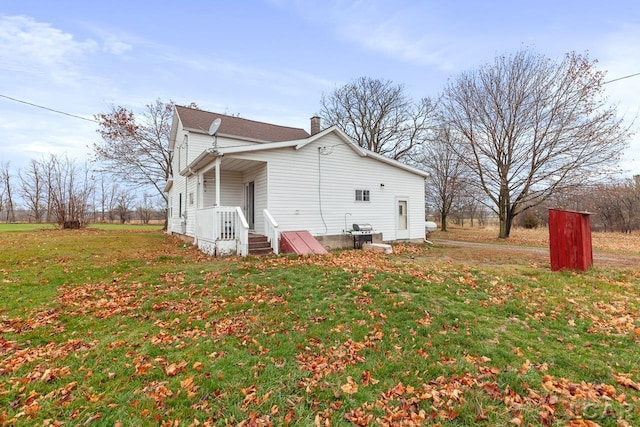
(131, 327)
(6, 228)
(138, 227)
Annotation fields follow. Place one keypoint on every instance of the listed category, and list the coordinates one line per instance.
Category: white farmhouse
(240, 179)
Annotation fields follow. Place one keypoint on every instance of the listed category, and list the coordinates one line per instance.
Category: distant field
(139, 227)
(540, 237)
(4, 228)
(120, 327)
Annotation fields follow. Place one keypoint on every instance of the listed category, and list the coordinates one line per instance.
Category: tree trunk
(443, 222)
(504, 212)
(506, 231)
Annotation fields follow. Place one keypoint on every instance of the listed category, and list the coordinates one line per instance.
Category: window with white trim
(363, 196)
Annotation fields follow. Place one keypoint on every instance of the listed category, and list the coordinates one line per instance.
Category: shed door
(402, 219)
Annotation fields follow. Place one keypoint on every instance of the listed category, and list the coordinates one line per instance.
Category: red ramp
(300, 242)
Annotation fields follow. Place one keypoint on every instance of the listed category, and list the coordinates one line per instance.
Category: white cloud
(618, 54)
(236, 73)
(404, 30)
(114, 41)
(392, 38)
(116, 47)
(36, 48)
(33, 135)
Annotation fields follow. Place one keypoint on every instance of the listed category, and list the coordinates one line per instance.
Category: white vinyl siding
(230, 189)
(190, 209)
(312, 188)
(297, 202)
(200, 142)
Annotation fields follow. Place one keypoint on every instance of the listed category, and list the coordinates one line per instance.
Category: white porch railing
(222, 230)
(271, 231)
(242, 229)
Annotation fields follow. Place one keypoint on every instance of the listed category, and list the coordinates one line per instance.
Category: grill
(363, 228)
(362, 233)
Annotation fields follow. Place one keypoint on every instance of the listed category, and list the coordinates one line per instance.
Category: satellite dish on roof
(214, 126)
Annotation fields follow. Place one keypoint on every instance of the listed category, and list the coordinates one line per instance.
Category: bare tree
(70, 191)
(112, 201)
(5, 182)
(136, 147)
(107, 189)
(470, 203)
(447, 173)
(379, 116)
(102, 198)
(530, 126)
(2, 193)
(47, 176)
(145, 208)
(124, 202)
(617, 204)
(33, 189)
(628, 204)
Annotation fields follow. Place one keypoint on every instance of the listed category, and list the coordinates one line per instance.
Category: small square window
(362, 196)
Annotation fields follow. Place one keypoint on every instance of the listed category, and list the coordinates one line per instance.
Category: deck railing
(271, 231)
(242, 230)
(223, 226)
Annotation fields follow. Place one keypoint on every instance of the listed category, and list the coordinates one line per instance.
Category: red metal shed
(570, 240)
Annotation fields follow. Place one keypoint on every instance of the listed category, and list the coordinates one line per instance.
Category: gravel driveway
(599, 258)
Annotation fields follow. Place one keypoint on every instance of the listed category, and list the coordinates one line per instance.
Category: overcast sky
(272, 60)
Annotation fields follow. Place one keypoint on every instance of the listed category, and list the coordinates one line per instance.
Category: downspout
(185, 200)
(186, 190)
(195, 240)
(326, 230)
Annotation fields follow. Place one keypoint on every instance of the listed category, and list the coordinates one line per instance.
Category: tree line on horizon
(513, 136)
(61, 190)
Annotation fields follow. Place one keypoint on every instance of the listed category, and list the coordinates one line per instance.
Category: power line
(622, 78)
(95, 121)
(49, 109)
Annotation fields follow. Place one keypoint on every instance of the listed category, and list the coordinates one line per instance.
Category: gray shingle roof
(201, 120)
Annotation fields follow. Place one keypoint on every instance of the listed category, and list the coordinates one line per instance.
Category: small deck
(223, 230)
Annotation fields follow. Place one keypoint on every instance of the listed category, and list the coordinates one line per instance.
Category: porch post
(218, 161)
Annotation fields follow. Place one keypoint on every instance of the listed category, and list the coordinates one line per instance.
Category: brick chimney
(315, 125)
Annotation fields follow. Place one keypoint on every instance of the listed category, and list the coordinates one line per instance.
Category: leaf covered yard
(127, 327)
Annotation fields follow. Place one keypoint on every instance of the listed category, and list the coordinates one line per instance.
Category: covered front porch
(231, 205)
(224, 230)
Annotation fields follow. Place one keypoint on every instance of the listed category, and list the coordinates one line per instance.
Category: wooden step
(260, 251)
(259, 245)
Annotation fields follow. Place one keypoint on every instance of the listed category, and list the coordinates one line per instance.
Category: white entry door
(249, 194)
(402, 219)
